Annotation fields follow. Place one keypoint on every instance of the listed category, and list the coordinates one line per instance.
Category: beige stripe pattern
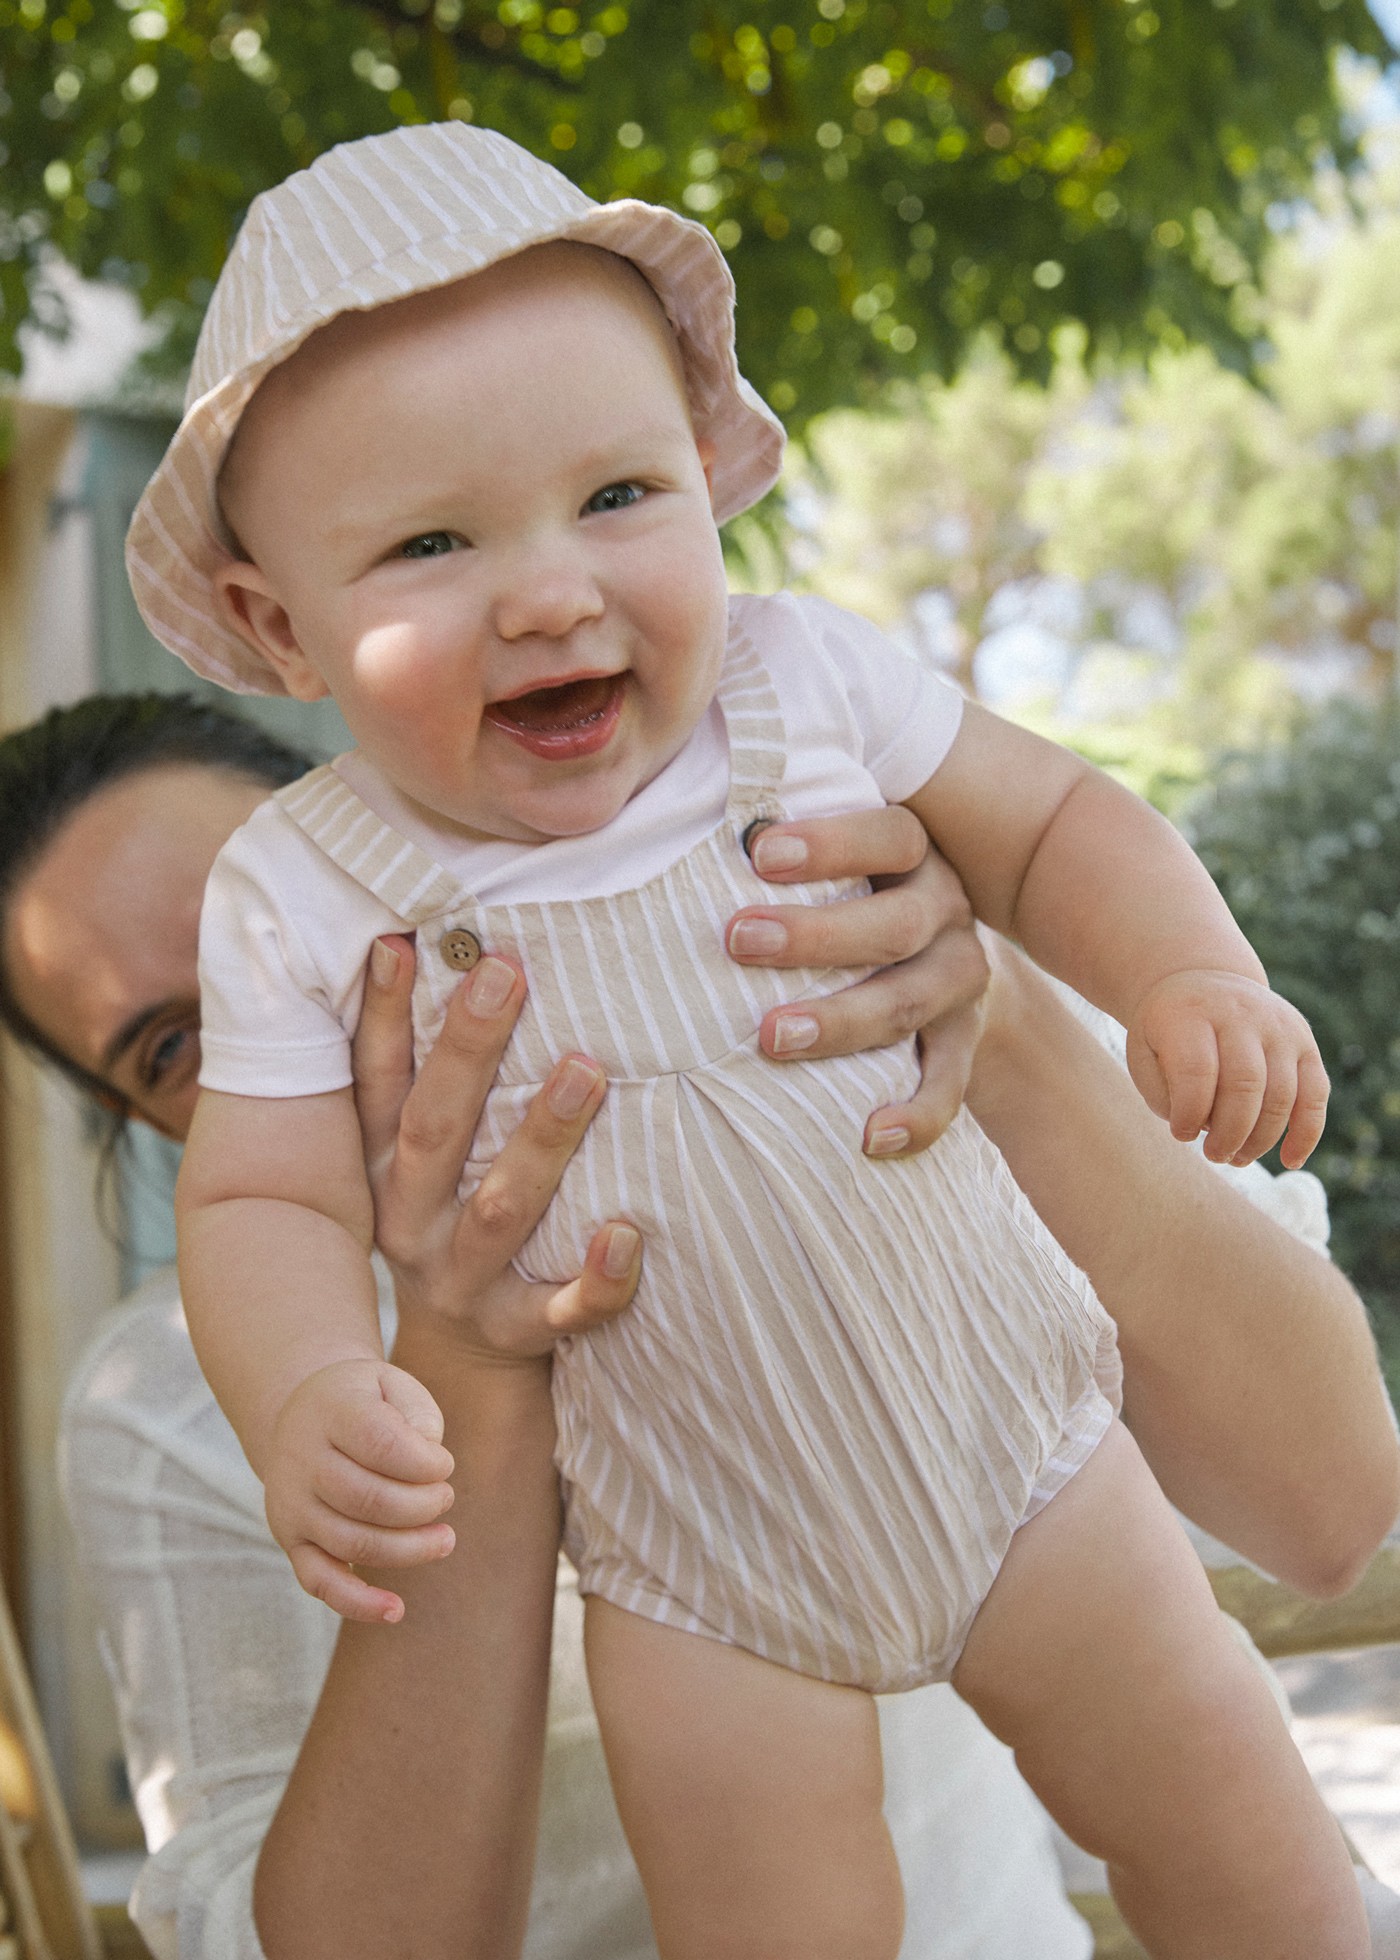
(370, 223)
(843, 1385)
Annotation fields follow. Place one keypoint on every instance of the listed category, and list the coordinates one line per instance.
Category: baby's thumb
(406, 1394)
(1147, 1075)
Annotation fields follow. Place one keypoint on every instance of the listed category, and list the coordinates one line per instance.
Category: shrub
(1304, 840)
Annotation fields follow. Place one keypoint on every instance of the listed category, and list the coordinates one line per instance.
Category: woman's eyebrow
(131, 1031)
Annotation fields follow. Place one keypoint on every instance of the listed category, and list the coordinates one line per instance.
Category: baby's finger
(515, 1193)
(1239, 1093)
(379, 1437)
(342, 1590)
(345, 1539)
(351, 1491)
(1280, 1095)
(441, 1112)
(1190, 1067)
(866, 844)
(1309, 1112)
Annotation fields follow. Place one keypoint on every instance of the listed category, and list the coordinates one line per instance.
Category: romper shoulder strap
(366, 848)
(753, 722)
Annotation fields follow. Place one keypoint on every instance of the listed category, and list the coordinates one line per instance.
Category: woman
(109, 818)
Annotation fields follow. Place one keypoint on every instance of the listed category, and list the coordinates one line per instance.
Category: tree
(931, 496)
(887, 176)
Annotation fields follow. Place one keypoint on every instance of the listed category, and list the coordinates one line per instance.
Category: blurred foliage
(1196, 551)
(887, 176)
(1261, 519)
(1304, 840)
(932, 494)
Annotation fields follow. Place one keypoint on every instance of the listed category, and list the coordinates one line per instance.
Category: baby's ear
(250, 608)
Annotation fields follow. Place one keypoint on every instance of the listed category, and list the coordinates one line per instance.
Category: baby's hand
(1217, 1052)
(358, 1476)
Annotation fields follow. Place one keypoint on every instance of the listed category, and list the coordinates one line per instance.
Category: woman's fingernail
(887, 1143)
(571, 1087)
(383, 964)
(760, 938)
(779, 853)
(794, 1032)
(623, 1245)
(490, 987)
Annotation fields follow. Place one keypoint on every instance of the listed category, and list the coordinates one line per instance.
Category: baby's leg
(750, 1797)
(1100, 1656)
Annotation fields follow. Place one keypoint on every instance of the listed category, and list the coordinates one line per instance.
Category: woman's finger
(866, 844)
(946, 1052)
(943, 980)
(440, 1113)
(878, 930)
(515, 1193)
(533, 1318)
(381, 1054)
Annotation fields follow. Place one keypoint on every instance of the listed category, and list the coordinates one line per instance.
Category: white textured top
(217, 1658)
(280, 973)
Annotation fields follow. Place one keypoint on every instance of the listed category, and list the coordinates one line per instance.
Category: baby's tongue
(546, 709)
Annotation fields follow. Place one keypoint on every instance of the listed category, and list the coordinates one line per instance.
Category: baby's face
(479, 519)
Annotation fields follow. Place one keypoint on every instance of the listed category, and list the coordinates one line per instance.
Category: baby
(457, 447)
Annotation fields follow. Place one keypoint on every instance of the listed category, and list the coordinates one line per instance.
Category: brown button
(461, 949)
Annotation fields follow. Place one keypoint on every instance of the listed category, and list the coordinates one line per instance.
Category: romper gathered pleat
(843, 1384)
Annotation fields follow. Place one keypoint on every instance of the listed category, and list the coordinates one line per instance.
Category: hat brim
(177, 543)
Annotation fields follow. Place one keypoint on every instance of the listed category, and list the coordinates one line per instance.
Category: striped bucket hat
(371, 222)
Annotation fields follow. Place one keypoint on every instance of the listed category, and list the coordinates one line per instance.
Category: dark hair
(50, 769)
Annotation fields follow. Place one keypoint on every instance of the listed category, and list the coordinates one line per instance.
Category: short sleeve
(908, 716)
(282, 943)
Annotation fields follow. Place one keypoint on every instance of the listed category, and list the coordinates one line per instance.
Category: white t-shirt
(284, 933)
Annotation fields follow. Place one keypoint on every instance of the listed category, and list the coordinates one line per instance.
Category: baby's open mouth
(559, 723)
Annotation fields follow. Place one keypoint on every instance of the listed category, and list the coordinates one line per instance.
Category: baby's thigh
(751, 1797)
(1101, 1657)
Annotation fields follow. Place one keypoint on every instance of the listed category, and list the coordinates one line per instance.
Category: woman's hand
(449, 1259)
(917, 927)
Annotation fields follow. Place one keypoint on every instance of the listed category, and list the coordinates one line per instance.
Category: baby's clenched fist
(1218, 1052)
(357, 1475)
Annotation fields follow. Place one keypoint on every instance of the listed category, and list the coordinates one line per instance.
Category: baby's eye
(615, 496)
(431, 544)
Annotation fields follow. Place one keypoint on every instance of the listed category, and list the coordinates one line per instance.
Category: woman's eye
(431, 544)
(615, 496)
(167, 1054)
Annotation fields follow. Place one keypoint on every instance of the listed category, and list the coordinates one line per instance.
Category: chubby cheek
(401, 680)
(687, 628)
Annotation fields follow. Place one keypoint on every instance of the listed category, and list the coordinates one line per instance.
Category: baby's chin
(543, 819)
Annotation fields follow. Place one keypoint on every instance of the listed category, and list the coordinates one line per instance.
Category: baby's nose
(549, 593)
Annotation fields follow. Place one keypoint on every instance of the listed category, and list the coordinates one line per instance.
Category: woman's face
(102, 937)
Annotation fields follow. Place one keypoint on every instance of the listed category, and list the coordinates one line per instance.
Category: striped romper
(843, 1383)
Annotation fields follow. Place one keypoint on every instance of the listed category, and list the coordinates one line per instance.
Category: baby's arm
(275, 1228)
(1102, 892)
